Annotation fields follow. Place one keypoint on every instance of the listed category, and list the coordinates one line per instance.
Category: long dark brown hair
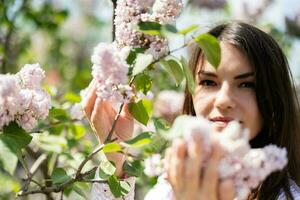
(276, 97)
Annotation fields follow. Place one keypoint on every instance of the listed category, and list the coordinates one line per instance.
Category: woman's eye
(207, 83)
(247, 85)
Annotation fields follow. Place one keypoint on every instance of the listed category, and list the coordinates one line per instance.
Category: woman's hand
(183, 164)
(101, 116)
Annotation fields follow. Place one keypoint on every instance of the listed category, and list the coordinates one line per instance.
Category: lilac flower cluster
(110, 68)
(154, 165)
(110, 72)
(22, 99)
(130, 12)
(245, 166)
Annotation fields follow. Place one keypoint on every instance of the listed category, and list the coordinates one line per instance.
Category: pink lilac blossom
(22, 99)
(31, 75)
(131, 12)
(110, 72)
(166, 11)
(245, 166)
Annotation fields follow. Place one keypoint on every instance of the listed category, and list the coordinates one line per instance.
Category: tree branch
(114, 2)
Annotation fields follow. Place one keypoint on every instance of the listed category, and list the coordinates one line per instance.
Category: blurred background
(61, 35)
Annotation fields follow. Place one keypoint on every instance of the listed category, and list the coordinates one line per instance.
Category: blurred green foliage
(60, 35)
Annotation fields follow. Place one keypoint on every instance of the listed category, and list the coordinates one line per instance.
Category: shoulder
(294, 188)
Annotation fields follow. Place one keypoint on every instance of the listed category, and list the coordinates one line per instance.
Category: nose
(225, 97)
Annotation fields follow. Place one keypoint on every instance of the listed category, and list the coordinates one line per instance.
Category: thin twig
(37, 183)
(57, 188)
(89, 157)
(29, 175)
(114, 124)
(114, 2)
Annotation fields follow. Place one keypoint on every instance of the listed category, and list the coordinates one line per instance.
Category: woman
(252, 85)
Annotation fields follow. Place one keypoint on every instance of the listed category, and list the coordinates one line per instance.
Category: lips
(221, 122)
(222, 119)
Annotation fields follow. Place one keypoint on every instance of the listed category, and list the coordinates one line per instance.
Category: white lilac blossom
(246, 167)
(76, 111)
(168, 104)
(166, 11)
(129, 13)
(31, 76)
(22, 99)
(153, 165)
(110, 73)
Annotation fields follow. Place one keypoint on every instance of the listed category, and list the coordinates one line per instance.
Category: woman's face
(228, 93)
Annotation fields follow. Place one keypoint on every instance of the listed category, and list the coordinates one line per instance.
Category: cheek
(252, 116)
(203, 104)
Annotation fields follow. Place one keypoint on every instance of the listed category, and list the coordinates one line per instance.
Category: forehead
(233, 61)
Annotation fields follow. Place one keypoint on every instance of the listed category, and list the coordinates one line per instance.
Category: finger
(177, 165)
(89, 101)
(179, 162)
(226, 190)
(100, 120)
(125, 125)
(125, 112)
(167, 162)
(193, 163)
(111, 113)
(211, 175)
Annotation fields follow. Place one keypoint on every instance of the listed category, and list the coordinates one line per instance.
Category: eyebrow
(244, 75)
(240, 76)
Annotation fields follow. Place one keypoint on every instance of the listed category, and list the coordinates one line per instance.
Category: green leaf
(12, 141)
(132, 55)
(72, 97)
(143, 83)
(78, 131)
(211, 48)
(56, 129)
(161, 126)
(114, 186)
(59, 176)
(138, 141)
(157, 145)
(58, 114)
(80, 189)
(68, 190)
(118, 188)
(141, 110)
(150, 28)
(188, 76)
(111, 147)
(8, 184)
(170, 28)
(51, 143)
(173, 68)
(17, 135)
(106, 169)
(134, 168)
(141, 63)
(188, 29)
(125, 188)
(8, 158)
